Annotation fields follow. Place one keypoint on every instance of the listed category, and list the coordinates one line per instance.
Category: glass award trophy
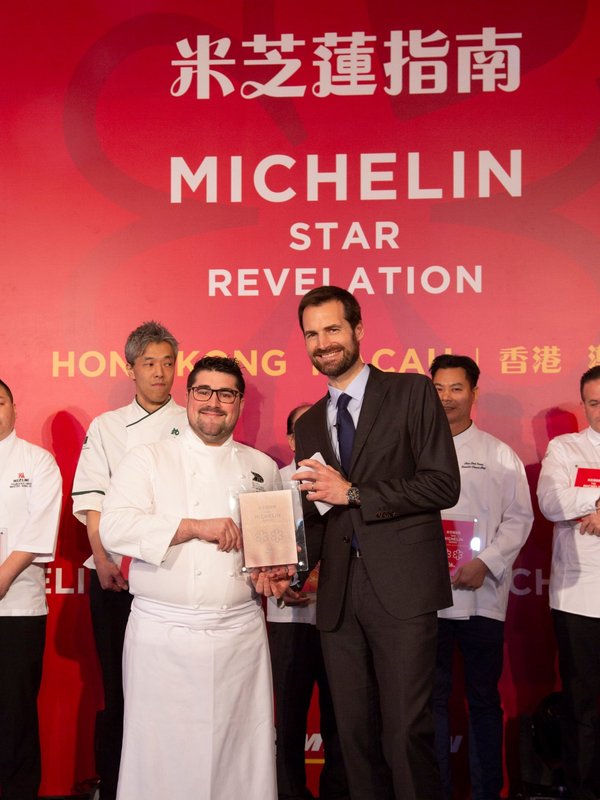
(463, 539)
(272, 527)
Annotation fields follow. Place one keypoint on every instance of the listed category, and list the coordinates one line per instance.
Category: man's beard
(335, 369)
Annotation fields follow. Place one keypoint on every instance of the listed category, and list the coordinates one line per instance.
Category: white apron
(198, 694)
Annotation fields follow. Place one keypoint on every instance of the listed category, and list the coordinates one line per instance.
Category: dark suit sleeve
(420, 455)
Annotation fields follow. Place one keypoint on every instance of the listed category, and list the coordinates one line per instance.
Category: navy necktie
(345, 432)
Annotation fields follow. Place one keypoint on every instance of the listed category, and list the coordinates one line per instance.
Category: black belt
(355, 553)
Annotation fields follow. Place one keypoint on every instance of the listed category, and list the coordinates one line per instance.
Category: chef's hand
(292, 598)
(110, 576)
(273, 581)
(470, 576)
(590, 524)
(222, 531)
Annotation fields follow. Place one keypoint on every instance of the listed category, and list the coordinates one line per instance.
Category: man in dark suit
(384, 569)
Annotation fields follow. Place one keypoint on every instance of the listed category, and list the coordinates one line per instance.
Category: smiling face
(331, 343)
(211, 420)
(153, 373)
(7, 414)
(590, 394)
(457, 396)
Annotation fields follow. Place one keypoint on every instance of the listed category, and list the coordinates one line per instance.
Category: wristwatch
(353, 496)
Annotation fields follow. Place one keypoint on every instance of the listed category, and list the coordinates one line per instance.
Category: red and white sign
(206, 164)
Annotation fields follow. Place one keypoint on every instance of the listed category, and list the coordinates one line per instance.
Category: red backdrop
(205, 164)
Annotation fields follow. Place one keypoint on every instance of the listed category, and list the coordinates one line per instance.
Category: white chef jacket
(30, 503)
(575, 573)
(109, 437)
(308, 613)
(158, 485)
(494, 489)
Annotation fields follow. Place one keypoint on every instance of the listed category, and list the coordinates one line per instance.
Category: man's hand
(12, 566)
(322, 482)
(590, 524)
(222, 531)
(273, 581)
(470, 575)
(109, 575)
(292, 598)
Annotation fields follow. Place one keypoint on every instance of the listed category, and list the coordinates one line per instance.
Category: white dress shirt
(356, 391)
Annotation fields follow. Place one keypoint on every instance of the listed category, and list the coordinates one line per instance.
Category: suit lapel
(323, 435)
(375, 392)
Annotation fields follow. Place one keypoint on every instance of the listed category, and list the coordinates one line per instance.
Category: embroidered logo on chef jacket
(175, 432)
(472, 465)
(258, 482)
(20, 482)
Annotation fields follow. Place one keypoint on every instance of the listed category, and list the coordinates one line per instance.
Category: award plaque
(272, 528)
(463, 542)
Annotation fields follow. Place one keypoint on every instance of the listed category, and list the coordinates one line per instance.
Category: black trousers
(481, 644)
(110, 612)
(381, 672)
(22, 642)
(297, 664)
(578, 640)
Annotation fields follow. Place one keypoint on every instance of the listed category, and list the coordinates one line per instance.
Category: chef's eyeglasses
(204, 393)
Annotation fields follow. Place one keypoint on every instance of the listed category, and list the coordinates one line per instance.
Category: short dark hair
(151, 332)
(7, 390)
(292, 416)
(592, 374)
(230, 366)
(324, 294)
(449, 361)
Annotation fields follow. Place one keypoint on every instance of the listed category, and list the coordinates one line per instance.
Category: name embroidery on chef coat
(20, 482)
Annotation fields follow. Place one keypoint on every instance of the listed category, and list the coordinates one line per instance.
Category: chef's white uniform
(565, 497)
(198, 694)
(108, 438)
(30, 503)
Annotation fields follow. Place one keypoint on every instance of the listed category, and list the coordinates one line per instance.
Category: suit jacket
(404, 464)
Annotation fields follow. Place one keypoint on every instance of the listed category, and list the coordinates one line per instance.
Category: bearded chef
(197, 679)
